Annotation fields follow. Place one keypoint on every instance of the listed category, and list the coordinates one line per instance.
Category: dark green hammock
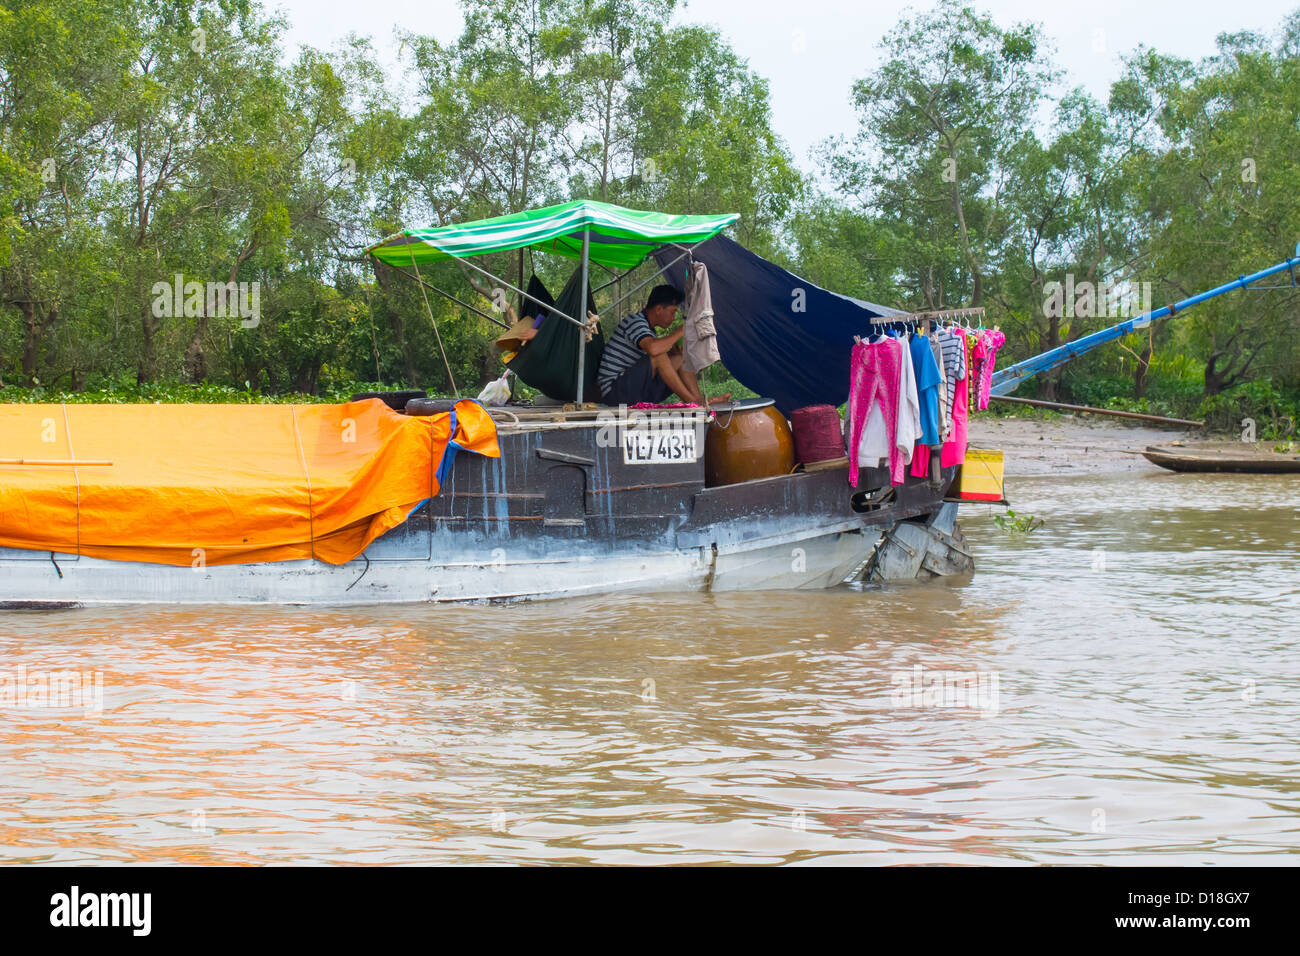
(549, 361)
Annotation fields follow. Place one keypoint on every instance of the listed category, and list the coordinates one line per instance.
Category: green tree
(60, 64)
(703, 139)
(940, 125)
(1224, 197)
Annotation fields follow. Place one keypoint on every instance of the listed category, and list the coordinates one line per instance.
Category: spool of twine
(817, 434)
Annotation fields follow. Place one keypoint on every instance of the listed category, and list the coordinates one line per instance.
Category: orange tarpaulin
(221, 484)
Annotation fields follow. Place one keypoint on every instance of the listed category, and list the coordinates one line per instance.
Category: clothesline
(910, 395)
(942, 314)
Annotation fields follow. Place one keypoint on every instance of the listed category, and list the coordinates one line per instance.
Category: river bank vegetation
(142, 140)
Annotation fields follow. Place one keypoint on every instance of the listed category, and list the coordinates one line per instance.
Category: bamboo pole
(68, 462)
(436, 333)
(1160, 419)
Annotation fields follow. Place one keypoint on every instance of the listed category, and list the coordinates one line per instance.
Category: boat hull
(561, 513)
(810, 561)
(1220, 460)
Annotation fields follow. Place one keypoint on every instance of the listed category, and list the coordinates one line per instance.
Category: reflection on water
(1144, 646)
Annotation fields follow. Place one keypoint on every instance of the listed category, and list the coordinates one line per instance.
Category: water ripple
(1144, 645)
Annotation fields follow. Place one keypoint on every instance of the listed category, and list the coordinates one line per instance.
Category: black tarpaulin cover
(795, 357)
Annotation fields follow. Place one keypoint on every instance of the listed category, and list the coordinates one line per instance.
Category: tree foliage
(149, 139)
(141, 140)
(1185, 178)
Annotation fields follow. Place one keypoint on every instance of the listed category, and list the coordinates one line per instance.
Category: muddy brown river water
(1120, 686)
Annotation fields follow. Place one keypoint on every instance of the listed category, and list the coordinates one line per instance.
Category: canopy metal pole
(641, 285)
(550, 309)
(618, 277)
(448, 295)
(582, 334)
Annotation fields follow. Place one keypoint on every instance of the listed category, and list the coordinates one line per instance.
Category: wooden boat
(1241, 458)
(570, 499)
(579, 502)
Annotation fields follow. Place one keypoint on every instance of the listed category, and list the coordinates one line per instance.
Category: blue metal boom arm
(1006, 381)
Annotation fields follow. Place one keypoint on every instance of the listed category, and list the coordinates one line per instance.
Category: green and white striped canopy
(620, 238)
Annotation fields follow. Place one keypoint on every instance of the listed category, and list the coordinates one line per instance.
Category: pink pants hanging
(874, 381)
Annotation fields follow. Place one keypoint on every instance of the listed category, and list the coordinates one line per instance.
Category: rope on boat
(311, 504)
(434, 323)
(360, 576)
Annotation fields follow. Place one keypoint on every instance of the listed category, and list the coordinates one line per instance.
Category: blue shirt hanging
(927, 389)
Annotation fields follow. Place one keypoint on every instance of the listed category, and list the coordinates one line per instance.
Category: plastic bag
(497, 391)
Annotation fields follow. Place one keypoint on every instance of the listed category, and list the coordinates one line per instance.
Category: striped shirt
(953, 347)
(621, 350)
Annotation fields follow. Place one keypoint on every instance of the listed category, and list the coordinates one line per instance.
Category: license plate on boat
(659, 445)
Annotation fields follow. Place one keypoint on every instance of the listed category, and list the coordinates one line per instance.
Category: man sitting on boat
(637, 366)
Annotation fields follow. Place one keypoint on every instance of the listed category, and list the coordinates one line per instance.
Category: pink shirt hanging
(954, 449)
(990, 341)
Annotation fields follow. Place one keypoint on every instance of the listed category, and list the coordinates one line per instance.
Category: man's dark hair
(663, 295)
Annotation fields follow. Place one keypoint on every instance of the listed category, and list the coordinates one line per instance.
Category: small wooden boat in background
(1243, 458)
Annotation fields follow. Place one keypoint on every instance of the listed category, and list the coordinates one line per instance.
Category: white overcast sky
(811, 51)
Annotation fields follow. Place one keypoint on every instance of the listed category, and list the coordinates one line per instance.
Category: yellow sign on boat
(980, 478)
